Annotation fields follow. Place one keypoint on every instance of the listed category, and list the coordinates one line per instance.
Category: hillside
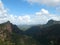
(49, 34)
(11, 35)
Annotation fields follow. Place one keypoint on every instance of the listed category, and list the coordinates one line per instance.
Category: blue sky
(20, 7)
(29, 11)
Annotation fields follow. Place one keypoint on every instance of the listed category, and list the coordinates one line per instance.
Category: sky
(29, 12)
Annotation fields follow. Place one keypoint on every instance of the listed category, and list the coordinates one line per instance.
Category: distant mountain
(24, 27)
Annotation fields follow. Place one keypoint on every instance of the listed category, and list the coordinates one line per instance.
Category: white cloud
(3, 13)
(24, 19)
(5, 16)
(39, 17)
(45, 2)
(43, 16)
(43, 11)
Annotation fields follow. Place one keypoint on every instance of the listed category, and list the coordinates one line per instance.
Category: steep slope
(52, 22)
(49, 34)
(6, 26)
(34, 30)
(11, 35)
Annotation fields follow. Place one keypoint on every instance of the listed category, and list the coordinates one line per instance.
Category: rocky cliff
(11, 35)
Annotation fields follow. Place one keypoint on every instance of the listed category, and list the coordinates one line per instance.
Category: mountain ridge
(11, 35)
(49, 32)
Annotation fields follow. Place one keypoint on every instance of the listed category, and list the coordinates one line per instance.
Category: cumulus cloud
(5, 16)
(39, 17)
(49, 3)
(3, 13)
(24, 19)
(45, 2)
(43, 11)
(42, 17)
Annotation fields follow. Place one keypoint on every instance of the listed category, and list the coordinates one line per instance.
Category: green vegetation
(14, 39)
(11, 35)
(17, 40)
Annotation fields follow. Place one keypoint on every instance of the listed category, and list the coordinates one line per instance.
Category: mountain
(47, 34)
(50, 35)
(8, 31)
(10, 27)
(10, 34)
(52, 22)
(6, 26)
(24, 27)
(34, 30)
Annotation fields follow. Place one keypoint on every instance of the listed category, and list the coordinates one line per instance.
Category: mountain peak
(8, 22)
(50, 21)
(6, 26)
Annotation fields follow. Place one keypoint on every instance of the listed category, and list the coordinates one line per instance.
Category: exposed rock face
(9, 26)
(11, 35)
(6, 26)
(5, 30)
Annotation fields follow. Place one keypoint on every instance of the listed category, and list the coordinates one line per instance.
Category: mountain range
(47, 34)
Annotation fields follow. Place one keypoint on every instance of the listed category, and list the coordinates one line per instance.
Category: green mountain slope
(11, 35)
